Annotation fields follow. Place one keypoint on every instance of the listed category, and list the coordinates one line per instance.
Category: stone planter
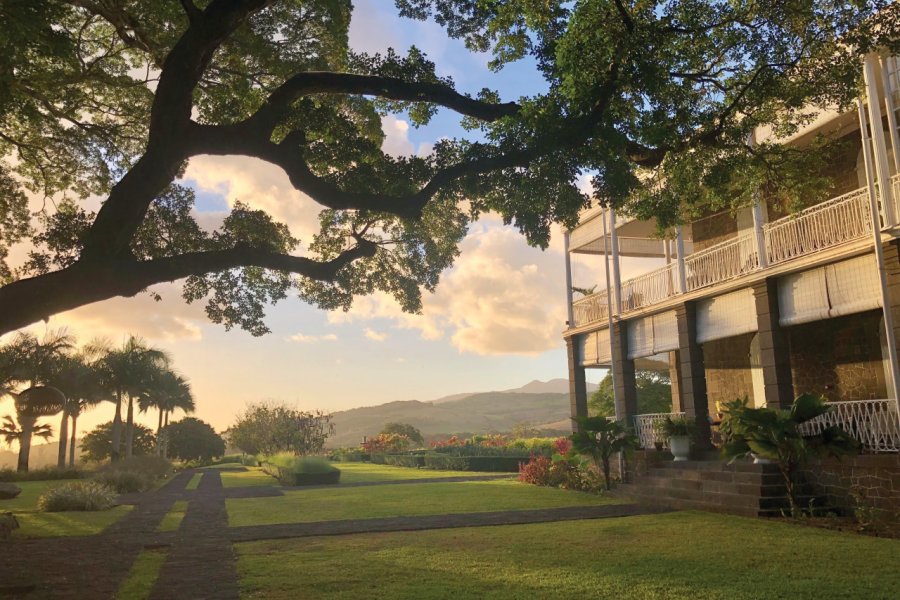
(680, 446)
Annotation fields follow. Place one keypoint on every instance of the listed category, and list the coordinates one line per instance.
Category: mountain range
(541, 405)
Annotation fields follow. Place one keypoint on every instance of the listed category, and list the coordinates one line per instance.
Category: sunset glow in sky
(494, 323)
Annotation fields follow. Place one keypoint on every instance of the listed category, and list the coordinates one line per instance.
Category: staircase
(741, 488)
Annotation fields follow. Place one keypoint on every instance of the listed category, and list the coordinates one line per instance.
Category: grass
(387, 500)
(194, 482)
(35, 523)
(684, 555)
(253, 476)
(361, 472)
(172, 520)
(142, 576)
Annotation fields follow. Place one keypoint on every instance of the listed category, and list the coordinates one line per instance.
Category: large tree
(654, 99)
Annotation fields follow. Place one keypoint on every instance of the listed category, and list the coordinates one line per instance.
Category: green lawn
(687, 555)
(359, 472)
(194, 482)
(325, 504)
(172, 520)
(142, 576)
(42, 524)
(251, 477)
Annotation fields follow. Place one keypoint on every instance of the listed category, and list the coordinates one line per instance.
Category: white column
(881, 163)
(879, 258)
(617, 273)
(569, 311)
(758, 221)
(609, 312)
(891, 108)
(679, 250)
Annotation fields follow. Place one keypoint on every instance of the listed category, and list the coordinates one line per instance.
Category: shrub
(377, 459)
(542, 445)
(493, 464)
(387, 443)
(677, 427)
(77, 495)
(191, 439)
(537, 470)
(300, 470)
(42, 474)
(153, 467)
(350, 455)
(124, 482)
(405, 460)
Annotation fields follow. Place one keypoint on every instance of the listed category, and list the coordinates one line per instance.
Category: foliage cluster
(779, 435)
(654, 394)
(97, 444)
(270, 428)
(676, 427)
(412, 433)
(42, 474)
(135, 474)
(191, 439)
(77, 496)
(385, 443)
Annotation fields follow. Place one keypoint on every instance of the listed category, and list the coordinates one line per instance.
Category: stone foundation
(867, 480)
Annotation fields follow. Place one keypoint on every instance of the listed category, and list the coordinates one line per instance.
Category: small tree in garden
(193, 439)
(386, 443)
(778, 435)
(414, 435)
(600, 438)
(267, 428)
(97, 445)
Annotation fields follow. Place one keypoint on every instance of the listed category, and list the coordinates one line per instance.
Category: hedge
(493, 464)
(405, 460)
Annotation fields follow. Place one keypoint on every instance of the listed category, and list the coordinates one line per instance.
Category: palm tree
(31, 404)
(127, 371)
(28, 360)
(168, 392)
(80, 380)
(11, 432)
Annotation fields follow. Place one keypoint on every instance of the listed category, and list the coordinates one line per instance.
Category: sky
(495, 321)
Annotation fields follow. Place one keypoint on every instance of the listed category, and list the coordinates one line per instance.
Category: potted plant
(679, 432)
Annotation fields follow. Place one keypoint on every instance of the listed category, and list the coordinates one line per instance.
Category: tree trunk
(72, 442)
(165, 445)
(159, 433)
(27, 425)
(129, 429)
(63, 439)
(114, 452)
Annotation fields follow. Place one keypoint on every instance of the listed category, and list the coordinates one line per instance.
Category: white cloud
(376, 336)
(501, 297)
(312, 339)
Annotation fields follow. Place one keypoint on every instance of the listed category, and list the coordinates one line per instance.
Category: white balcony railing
(649, 288)
(645, 428)
(590, 309)
(873, 423)
(826, 225)
(726, 260)
(822, 226)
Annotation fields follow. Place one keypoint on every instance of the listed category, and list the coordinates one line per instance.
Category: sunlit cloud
(312, 339)
(376, 336)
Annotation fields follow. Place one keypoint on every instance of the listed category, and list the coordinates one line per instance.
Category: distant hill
(538, 404)
(42, 455)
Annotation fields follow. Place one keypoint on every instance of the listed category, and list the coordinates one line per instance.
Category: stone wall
(727, 366)
(867, 480)
(839, 358)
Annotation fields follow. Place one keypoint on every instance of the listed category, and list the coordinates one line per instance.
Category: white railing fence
(645, 428)
(649, 288)
(590, 309)
(873, 423)
(726, 260)
(822, 226)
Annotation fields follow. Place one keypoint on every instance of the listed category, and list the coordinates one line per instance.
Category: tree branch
(29, 300)
(391, 88)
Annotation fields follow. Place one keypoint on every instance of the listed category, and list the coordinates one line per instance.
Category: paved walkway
(201, 563)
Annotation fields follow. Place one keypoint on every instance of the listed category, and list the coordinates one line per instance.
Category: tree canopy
(654, 100)
(654, 394)
(193, 439)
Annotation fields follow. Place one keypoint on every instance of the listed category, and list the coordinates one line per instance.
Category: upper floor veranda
(728, 250)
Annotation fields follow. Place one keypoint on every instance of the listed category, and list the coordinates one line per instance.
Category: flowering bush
(385, 443)
(562, 445)
(537, 471)
(568, 471)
